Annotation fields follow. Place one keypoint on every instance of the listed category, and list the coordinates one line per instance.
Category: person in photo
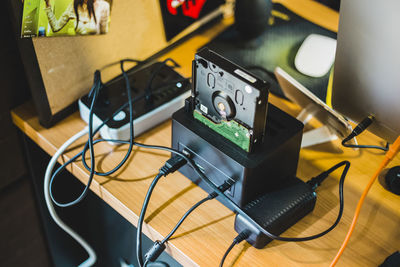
(90, 16)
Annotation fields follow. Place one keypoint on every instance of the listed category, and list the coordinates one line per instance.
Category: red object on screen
(190, 8)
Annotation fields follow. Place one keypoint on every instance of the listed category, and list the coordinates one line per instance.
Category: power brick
(277, 210)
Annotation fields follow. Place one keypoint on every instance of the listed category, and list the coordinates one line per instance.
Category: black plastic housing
(167, 85)
(277, 210)
(253, 174)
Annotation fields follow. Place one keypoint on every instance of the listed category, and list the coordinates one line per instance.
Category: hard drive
(229, 100)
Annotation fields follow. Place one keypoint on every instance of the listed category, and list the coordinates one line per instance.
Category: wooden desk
(207, 233)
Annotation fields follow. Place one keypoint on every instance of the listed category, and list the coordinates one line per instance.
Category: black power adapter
(277, 210)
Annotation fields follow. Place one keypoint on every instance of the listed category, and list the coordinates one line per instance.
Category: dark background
(174, 24)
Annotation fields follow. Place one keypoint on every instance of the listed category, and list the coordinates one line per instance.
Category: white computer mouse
(316, 55)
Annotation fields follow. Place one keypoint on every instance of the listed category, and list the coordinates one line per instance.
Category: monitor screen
(366, 73)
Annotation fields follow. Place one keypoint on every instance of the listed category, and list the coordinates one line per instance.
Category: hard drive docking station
(255, 145)
(255, 173)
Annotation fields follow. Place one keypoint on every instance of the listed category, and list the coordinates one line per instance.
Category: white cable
(92, 255)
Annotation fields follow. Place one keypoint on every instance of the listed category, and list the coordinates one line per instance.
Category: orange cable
(394, 149)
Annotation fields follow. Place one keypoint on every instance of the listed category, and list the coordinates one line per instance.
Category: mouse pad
(277, 46)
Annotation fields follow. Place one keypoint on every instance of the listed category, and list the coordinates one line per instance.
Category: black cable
(86, 147)
(130, 127)
(313, 183)
(173, 164)
(385, 148)
(131, 131)
(225, 186)
(159, 246)
(236, 208)
(154, 75)
(83, 152)
(138, 62)
(226, 253)
(361, 127)
(233, 205)
(316, 181)
(187, 213)
(92, 94)
(140, 97)
(239, 238)
(74, 158)
(141, 219)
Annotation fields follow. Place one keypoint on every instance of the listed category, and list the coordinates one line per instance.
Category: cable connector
(172, 165)
(96, 83)
(155, 251)
(242, 236)
(361, 127)
(239, 238)
(226, 185)
(364, 124)
(223, 187)
(317, 180)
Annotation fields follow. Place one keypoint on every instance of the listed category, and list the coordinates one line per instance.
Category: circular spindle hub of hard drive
(224, 105)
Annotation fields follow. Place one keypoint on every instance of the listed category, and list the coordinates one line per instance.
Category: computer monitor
(335, 125)
(367, 66)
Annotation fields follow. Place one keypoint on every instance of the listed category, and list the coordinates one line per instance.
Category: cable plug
(239, 238)
(364, 124)
(96, 83)
(223, 187)
(242, 236)
(317, 180)
(361, 127)
(155, 251)
(172, 165)
(226, 185)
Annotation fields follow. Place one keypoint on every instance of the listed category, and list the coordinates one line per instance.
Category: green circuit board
(231, 130)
